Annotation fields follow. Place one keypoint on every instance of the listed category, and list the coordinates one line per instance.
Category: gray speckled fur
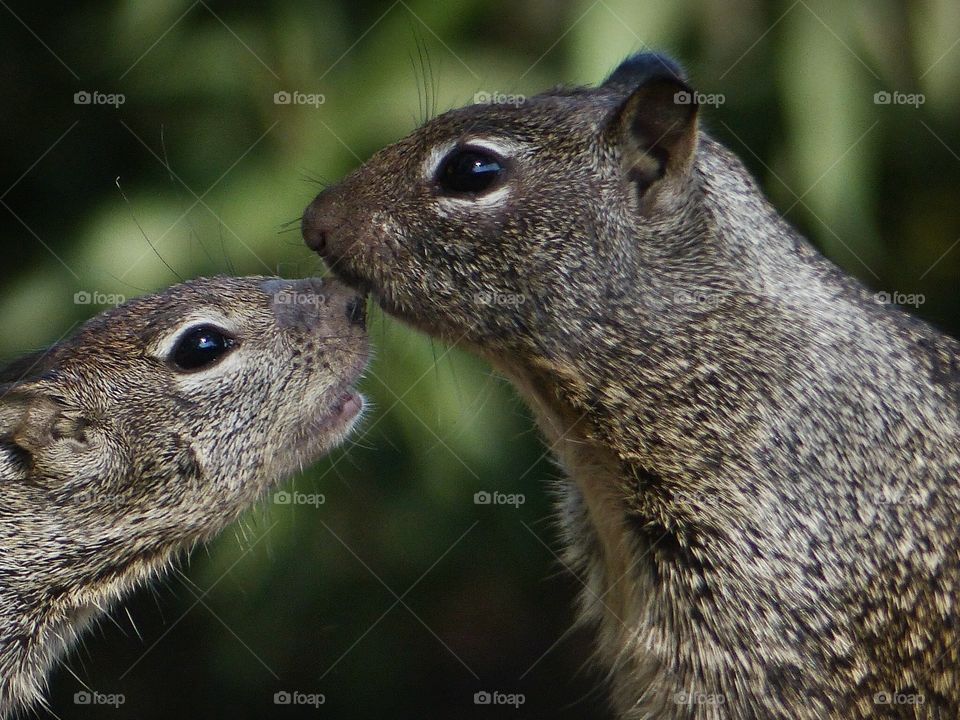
(113, 462)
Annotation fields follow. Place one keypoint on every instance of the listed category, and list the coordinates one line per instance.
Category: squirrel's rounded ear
(639, 68)
(656, 128)
(34, 420)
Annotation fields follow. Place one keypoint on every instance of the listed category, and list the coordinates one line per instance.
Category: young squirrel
(764, 461)
(150, 430)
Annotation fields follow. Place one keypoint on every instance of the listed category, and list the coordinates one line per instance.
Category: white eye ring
(506, 149)
(431, 165)
(449, 205)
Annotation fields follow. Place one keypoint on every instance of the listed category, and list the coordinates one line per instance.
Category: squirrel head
(161, 420)
(499, 224)
(150, 430)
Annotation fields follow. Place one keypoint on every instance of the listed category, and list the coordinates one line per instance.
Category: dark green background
(296, 590)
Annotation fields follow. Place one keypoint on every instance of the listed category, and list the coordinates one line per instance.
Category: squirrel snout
(315, 237)
(316, 302)
(320, 219)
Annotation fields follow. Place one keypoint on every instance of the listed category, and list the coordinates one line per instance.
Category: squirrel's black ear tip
(642, 67)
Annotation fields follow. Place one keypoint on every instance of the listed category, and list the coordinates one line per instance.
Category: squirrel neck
(707, 485)
(49, 596)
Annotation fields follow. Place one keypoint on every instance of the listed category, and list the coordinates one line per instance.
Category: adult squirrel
(764, 461)
(150, 430)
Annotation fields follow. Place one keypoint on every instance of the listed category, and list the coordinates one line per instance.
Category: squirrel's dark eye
(467, 170)
(201, 347)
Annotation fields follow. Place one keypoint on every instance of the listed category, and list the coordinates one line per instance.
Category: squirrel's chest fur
(601, 550)
(773, 611)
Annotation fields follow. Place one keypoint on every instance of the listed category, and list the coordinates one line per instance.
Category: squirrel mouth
(329, 425)
(338, 418)
(347, 406)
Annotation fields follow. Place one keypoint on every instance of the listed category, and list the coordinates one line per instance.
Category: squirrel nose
(316, 238)
(313, 233)
(320, 219)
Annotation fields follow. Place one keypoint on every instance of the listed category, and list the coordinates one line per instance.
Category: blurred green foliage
(398, 595)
